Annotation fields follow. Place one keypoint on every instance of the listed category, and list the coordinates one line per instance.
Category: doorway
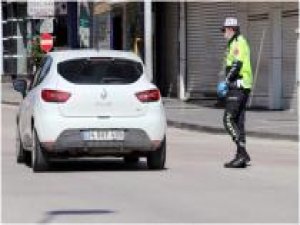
(117, 32)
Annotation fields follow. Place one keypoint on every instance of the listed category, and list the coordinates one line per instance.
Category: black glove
(234, 71)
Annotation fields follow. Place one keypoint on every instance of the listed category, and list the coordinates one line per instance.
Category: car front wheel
(39, 158)
(156, 159)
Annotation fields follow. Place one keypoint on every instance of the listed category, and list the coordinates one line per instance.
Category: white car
(90, 103)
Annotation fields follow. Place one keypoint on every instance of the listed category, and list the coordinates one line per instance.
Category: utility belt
(238, 85)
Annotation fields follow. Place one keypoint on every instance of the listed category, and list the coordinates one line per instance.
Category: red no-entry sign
(46, 42)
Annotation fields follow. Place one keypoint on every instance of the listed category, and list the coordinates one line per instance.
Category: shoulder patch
(236, 51)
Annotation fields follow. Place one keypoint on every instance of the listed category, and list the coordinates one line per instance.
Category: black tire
(156, 159)
(39, 159)
(20, 152)
(131, 159)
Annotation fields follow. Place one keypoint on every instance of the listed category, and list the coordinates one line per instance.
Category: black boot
(239, 161)
(244, 153)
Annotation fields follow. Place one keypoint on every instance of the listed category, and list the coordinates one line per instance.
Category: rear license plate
(103, 135)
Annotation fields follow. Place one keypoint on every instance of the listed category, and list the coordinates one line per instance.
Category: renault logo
(103, 94)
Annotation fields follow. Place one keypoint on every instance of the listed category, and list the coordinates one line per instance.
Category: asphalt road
(194, 187)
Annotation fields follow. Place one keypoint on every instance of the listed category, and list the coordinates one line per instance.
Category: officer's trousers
(234, 115)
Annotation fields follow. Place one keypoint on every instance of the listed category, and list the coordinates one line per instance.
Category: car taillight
(55, 96)
(149, 95)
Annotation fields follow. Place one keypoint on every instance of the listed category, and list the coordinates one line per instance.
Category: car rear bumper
(72, 141)
(50, 126)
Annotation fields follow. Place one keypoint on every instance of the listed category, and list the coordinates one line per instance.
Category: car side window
(42, 71)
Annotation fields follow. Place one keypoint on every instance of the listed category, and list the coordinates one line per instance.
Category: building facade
(14, 36)
(270, 28)
(23, 22)
(180, 42)
(188, 47)
(119, 26)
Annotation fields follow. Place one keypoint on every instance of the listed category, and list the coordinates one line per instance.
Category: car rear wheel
(39, 158)
(156, 159)
(21, 154)
(131, 159)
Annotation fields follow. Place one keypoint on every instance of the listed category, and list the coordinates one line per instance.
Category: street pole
(1, 74)
(148, 38)
(257, 67)
(182, 41)
(298, 75)
(1, 44)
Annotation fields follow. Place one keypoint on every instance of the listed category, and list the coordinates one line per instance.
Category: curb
(10, 103)
(218, 130)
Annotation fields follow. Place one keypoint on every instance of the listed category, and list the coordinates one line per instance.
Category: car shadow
(89, 165)
(52, 215)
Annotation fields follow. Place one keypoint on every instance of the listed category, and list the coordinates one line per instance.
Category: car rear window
(100, 71)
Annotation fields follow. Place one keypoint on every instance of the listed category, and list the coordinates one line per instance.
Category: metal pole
(257, 67)
(1, 43)
(298, 72)
(1, 74)
(182, 41)
(298, 77)
(148, 38)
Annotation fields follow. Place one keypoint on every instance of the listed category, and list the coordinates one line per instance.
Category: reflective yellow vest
(239, 50)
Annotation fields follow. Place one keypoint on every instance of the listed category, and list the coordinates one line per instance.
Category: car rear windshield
(100, 71)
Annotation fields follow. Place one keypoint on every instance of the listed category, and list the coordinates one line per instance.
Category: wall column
(275, 76)
(148, 39)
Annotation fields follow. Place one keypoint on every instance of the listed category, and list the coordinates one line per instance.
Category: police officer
(239, 81)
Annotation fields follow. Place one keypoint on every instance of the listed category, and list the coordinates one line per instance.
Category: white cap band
(231, 22)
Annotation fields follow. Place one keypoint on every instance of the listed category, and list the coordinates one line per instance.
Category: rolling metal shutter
(259, 34)
(205, 45)
(289, 51)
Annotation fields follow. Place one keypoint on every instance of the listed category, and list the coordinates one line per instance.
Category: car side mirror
(20, 85)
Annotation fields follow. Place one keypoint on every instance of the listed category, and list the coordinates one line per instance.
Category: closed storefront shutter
(289, 51)
(205, 45)
(259, 38)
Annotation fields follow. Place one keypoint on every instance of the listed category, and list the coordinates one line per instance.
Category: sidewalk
(9, 95)
(264, 124)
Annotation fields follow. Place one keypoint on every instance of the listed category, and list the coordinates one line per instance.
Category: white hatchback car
(90, 103)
